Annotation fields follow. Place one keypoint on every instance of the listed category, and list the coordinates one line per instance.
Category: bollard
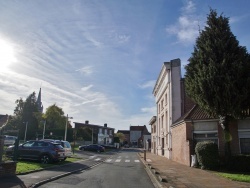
(144, 155)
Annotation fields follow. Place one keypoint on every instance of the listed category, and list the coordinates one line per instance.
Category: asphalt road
(123, 170)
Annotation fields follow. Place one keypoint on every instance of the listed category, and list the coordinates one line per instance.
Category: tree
(25, 111)
(121, 136)
(54, 117)
(218, 74)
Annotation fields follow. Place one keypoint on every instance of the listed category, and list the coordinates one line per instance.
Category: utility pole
(66, 126)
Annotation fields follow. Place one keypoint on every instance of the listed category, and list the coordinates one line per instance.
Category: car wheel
(45, 159)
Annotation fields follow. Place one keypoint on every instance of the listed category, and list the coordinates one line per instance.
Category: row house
(136, 136)
(100, 134)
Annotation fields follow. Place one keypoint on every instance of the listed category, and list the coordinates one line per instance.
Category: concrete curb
(151, 175)
(63, 175)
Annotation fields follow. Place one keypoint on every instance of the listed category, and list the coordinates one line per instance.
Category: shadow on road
(11, 181)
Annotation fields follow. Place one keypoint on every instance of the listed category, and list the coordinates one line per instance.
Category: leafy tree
(121, 136)
(54, 117)
(218, 75)
(84, 133)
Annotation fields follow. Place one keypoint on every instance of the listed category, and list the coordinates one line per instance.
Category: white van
(9, 140)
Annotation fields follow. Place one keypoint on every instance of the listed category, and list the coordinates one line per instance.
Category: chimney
(87, 122)
(105, 125)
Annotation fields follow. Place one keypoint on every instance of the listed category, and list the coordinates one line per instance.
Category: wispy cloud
(85, 70)
(187, 27)
(148, 84)
(86, 88)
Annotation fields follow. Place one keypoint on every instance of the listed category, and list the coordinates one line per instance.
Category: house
(196, 125)
(152, 122)
(167, 92)
(180, 123)
(137, 134)
(100, 134)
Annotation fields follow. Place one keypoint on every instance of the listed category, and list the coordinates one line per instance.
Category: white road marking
(148, 160)
(137, 161)
(127, 161)
(91, 157)
(108, 160)
(119, 156)
(98, 159)
(118, 160)
(126, 157)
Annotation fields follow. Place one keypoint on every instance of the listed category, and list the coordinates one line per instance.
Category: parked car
(109, 146)
(65, 144)
(9, 140)
(92, 147)
(45, 152)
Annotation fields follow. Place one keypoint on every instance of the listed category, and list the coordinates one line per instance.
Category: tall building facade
(167, 93)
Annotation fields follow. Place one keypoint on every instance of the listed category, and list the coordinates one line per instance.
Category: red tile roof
(195, 113)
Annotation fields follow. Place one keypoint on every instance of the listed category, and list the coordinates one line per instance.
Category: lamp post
(66, 126)
(25, 131)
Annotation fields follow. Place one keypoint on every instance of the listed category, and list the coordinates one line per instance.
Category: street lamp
(25, 130)
(66, 126)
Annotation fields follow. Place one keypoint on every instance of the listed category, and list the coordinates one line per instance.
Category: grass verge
(235, 176)
(24, 166)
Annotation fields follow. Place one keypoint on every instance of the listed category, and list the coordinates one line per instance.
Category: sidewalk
(180, 176)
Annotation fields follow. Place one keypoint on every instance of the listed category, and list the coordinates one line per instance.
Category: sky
(98, 60)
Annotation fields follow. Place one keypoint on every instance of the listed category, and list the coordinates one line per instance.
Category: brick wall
(180, 145)
(7, 168)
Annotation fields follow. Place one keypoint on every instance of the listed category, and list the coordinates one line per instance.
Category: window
(162, 120)
(100, 130)
(166, 99)
(162, 102)
(199, 137)
(245, 145)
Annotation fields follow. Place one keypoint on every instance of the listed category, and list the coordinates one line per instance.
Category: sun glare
(7, 55)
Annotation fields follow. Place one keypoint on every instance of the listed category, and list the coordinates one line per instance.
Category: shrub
(207, 155)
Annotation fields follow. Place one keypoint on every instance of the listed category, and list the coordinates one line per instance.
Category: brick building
(180, 123)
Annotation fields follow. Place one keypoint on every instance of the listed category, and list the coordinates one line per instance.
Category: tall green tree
(25, 111)
(218, 74)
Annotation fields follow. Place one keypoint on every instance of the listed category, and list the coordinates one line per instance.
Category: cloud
(148, 84)
(87, 88)
(187, 27)
(151, 110)
(85, 70)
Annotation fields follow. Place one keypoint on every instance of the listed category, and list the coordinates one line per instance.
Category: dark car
(92, 147)
(65, 144)
(43, 151)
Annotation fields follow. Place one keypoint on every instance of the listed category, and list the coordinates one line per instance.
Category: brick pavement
(181, 176)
